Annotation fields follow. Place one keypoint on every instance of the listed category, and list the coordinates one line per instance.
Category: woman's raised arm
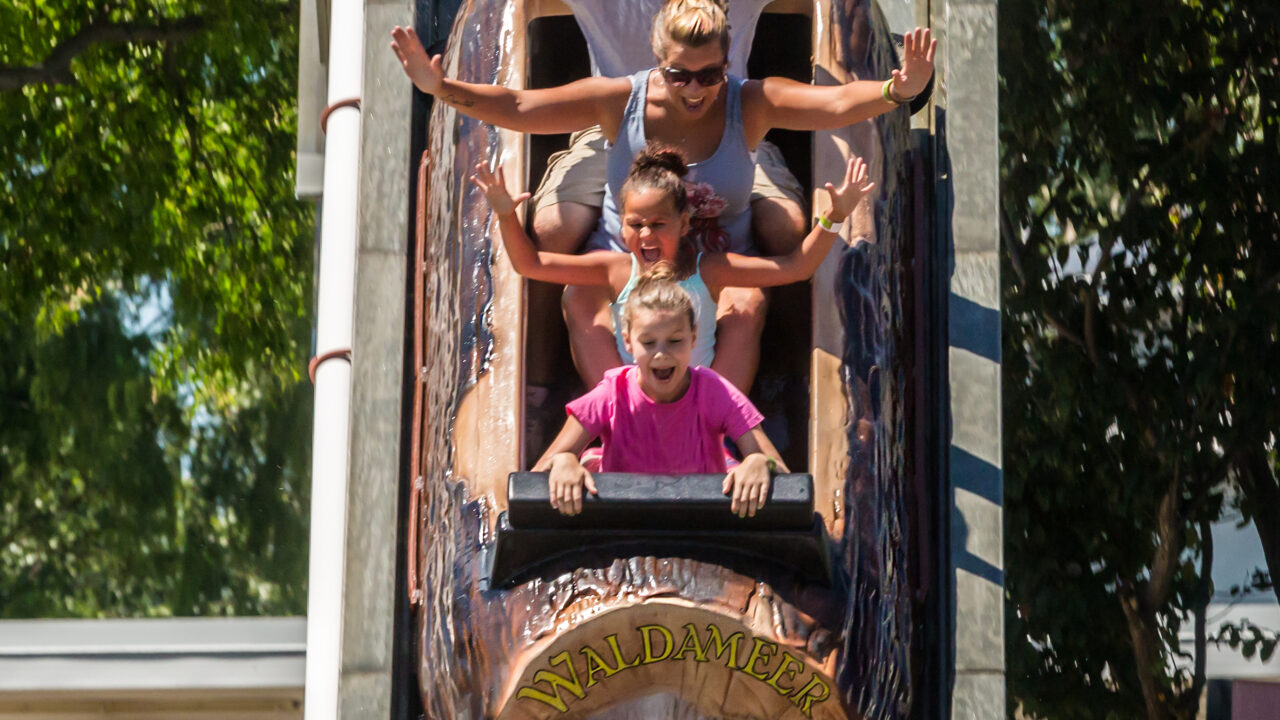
(566, 108)
(781, 103)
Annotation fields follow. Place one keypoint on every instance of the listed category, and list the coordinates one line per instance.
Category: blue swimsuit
(704, 313)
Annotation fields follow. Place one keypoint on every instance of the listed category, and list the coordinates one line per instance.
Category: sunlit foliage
(154, 309)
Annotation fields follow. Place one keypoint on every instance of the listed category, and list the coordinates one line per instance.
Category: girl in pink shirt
(661, 415)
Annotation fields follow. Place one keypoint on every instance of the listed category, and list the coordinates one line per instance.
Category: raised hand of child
(917, 65)
(749, 483)
(566, 481)
(494, 187)
(425, 71)
(851, 191)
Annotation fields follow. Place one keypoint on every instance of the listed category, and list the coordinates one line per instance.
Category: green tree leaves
(155, 309)
(1140, 220)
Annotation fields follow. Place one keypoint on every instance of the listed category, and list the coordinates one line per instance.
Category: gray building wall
(377, 371)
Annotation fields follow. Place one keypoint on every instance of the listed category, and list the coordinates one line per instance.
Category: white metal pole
(330, 440)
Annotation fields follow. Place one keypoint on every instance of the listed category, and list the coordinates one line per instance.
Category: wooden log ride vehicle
(656, 601)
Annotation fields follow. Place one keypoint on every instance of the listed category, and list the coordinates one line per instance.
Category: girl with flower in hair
(655, 231)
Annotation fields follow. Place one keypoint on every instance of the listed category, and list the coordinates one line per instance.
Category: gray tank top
(724, 179)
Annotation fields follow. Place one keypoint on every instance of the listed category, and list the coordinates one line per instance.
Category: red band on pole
(324, 116)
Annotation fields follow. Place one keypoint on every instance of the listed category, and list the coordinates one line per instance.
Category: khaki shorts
(577, 174)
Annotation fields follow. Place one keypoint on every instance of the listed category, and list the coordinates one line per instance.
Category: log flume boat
(645, 614)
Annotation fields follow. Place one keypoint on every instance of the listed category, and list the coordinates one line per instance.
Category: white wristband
(825, 223)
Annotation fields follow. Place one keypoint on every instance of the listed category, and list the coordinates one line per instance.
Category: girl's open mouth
(663, 374)
(694, 105)
(650, 255)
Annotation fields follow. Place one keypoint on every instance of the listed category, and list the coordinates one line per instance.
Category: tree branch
(1169, 524)
(1258, 482)
(1090, 341)
(1204, 593)
(1010, 244)
(56, 68)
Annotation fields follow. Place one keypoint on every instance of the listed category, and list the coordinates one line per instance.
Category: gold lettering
(617, 653)
(803, 700)
(787, 660)
(648, 643)
(749, 667)
(595, 664)
(556, 682)
(691, 644)
(731, 643)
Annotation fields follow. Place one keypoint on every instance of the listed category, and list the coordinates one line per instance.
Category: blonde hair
(689, 22)
(662, 168)
(657, 289)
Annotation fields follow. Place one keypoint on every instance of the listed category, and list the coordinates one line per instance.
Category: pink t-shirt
(643, 436)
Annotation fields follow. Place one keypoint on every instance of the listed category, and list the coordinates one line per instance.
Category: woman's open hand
(494, 187)
(425, 71)
(918, 48)
(851, 191)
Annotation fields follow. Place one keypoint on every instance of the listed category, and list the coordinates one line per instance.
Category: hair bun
(657, 289)
(661, 271)
(700, 4)
(657, 156)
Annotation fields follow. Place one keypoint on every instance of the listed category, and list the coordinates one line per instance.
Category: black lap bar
(632, 501)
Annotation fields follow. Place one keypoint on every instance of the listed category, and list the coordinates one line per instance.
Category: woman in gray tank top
(684, 102)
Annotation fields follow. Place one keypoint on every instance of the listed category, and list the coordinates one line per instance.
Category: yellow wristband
(888, 97)
(773, 464)
(825, 223)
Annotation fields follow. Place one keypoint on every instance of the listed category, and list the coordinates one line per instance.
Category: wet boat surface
(605, 634)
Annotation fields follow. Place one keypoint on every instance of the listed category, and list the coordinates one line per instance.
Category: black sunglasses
(706, 77)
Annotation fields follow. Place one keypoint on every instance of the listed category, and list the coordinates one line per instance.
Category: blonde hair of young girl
(657, 289)
(662, 168)
(689, 22)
